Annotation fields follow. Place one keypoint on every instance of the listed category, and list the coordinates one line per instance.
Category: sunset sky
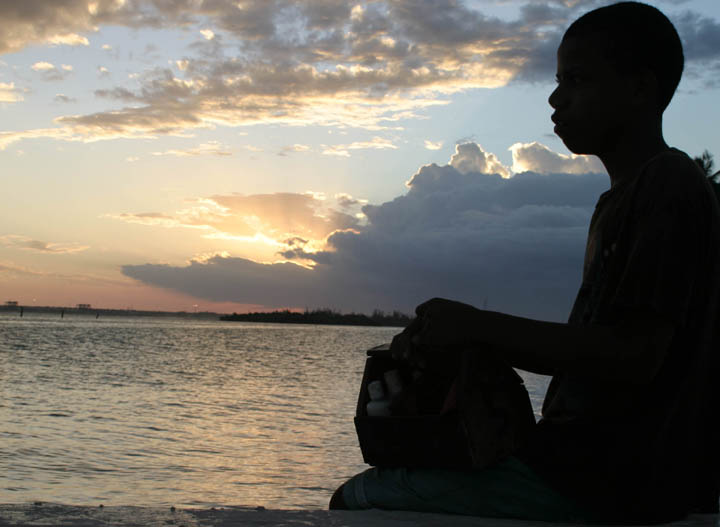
(231, 155)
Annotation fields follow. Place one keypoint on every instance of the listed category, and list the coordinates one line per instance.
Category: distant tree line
(324, 316)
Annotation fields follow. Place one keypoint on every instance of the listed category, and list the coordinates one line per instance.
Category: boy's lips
(560, 124)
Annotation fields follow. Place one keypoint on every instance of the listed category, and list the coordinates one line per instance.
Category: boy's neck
(632, 152)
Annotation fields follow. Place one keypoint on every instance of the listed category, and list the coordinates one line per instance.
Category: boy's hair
(639, 36)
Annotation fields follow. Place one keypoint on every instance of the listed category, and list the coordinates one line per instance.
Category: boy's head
(638, 36)
(618, 68)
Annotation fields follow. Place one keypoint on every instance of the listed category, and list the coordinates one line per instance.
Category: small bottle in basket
(379, 404)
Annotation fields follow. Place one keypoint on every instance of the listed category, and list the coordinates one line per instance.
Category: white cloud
(50, 72)
(300, 148)
(433, 145)
(214, 148)
(471, 158)
(536, 157)
(42, 66)
(8, 138)
(343, 150)
(69, 39)
(208, 34)
(8, 93)
(517, 242)
(336, 151)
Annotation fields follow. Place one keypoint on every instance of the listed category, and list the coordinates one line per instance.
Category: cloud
(536, 157)
(10, 270)
(8, 138)
(50, 72)
(365, 68)
(346, 201)
(285, 150)
(214, 277)
(516, 242)
(42, 66)
(69, 39)
(376, 143)
(15, 241)
(8, 92)
(701, 44)
(151, 218)
(433, 145)
(266, 218)
(251, 148)
(700, 35)
(368, 66)
(213, 148)
(64, 98)
(471, 158)
(61, 23)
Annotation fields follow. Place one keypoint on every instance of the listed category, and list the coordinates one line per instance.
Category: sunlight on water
(156, 411)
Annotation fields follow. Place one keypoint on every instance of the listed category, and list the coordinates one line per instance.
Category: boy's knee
(337, 502)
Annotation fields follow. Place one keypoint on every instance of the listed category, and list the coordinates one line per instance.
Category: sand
(50, 514)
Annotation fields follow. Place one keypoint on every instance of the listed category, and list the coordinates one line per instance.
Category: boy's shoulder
(673, 176)
(673, 167)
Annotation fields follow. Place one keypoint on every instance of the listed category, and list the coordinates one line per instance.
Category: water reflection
(161, 412)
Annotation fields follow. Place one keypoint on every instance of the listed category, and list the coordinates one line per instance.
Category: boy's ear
(646, 91)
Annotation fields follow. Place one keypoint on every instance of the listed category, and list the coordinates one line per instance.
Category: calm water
(152, 411)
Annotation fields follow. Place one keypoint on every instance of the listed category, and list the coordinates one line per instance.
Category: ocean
(166, 411)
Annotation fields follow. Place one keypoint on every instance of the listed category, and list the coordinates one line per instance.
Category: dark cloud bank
(516, 243)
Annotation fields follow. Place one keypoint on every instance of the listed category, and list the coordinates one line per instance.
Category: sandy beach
(50, 514)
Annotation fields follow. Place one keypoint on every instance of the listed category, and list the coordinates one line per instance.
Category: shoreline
(316, 317)
(54, 514)
(19, 311)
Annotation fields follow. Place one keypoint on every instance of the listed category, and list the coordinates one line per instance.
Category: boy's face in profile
(592, 102)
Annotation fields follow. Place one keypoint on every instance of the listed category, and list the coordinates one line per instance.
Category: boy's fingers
(400, 348)
(397, 346)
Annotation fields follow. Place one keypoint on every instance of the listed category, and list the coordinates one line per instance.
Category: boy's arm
(632, 351)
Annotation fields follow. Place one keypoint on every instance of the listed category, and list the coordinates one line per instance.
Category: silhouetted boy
(629, 421)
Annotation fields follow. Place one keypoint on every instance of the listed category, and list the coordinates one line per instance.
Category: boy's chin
(579, 147)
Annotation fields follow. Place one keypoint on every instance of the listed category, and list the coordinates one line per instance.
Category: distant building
(12, 303)
(84, 306)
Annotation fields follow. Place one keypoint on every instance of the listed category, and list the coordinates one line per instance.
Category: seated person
(629, 430)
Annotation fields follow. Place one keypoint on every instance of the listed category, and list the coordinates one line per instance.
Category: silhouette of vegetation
(325, 316)
(706, 163)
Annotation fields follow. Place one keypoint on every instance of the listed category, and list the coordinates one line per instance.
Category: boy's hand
(440, 324)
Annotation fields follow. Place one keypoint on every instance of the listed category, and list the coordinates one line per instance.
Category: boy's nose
(555, 98)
